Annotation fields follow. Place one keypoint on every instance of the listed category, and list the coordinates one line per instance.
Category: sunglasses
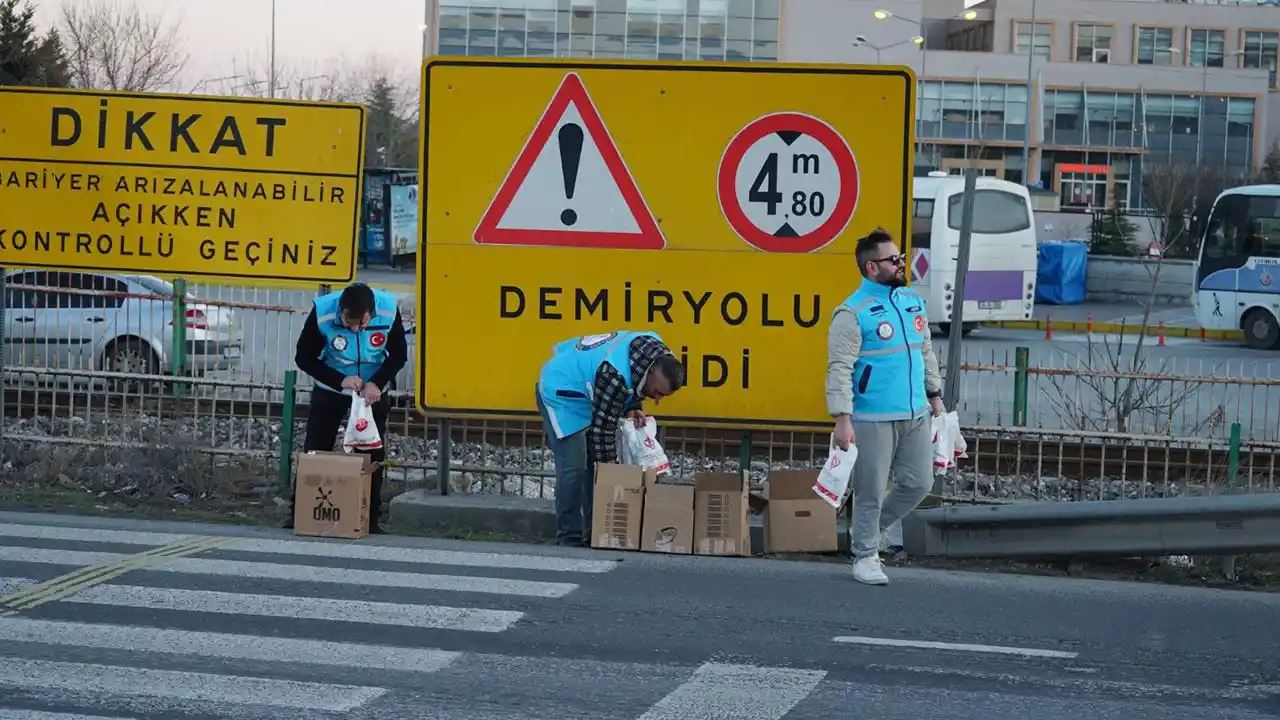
(895, 259)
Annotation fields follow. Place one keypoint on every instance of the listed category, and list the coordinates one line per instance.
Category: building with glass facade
(741, 30)
(1087, 91)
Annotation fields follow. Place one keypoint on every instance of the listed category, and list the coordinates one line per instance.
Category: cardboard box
(668, 517)
(720, 507)
(795, 519)
(332, 494)
(618, 507)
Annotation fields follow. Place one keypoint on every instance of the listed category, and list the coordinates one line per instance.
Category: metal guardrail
(1222, 525)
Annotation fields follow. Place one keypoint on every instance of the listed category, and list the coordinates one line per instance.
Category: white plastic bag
(948, 443)
(833, 480)
(640, 446)
(362, 431)
(960, 448)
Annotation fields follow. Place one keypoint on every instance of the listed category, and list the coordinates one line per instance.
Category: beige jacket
(844, 343)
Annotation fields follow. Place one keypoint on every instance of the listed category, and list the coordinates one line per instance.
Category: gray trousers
(904, 447)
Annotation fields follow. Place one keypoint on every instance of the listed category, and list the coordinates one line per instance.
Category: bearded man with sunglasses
(882, 385)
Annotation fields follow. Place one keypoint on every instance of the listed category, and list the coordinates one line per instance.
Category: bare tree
(115, 45)
(391, 98)
(1119, 385)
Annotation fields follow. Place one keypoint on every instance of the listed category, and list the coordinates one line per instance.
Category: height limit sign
(788, 183)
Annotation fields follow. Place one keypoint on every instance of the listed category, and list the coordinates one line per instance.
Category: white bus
(1237, 272)
(1001, 282)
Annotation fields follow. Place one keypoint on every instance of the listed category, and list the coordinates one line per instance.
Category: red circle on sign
(919, 322)
(377, 339)
(727, 186)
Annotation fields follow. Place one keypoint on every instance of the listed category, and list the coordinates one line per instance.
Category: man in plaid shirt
(588, 385)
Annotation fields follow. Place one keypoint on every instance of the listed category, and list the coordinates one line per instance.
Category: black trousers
(327, 417)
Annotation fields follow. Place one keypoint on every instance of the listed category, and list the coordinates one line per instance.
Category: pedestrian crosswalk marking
(286, 606)
(319, 548)
(100, 572)
(736, 692)
(10, 714)
(225, 645)
(97, 535)
(383, 553)
(41, 676)
(306, 573)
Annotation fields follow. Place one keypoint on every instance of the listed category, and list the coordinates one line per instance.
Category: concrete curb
(1111, 328)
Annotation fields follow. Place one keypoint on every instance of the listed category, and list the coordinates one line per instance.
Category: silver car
(60, 320)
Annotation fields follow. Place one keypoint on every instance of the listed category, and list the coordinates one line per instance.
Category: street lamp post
(1026, 135)
(862, 41)
(924, 39)
(271, 81)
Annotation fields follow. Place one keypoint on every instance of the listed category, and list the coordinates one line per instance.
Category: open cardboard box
(331, 494)
(721, 507)
(668, 517)
(618, 508)
(795, 519)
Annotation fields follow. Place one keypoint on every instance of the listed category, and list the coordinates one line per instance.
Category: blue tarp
(1061, 273)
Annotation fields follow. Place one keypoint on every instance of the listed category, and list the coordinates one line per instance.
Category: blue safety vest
(567, 381)
(889, 376)
(349, 352)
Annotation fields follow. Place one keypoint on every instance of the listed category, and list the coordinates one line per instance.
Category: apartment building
(1087, 91)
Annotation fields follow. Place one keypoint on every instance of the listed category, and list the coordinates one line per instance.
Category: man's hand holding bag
(833, 480)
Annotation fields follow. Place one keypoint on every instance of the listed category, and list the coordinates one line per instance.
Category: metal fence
(1070, 421)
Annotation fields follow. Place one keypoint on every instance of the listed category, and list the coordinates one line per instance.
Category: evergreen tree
(26, 58)
(391, 140)
(1114, 233)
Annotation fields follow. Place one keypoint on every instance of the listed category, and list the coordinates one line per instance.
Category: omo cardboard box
(332, 494)
(618, 507)
(795, 519)
(668, 517)
(720, 508)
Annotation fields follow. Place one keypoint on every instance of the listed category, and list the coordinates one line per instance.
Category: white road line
(224, 645)
(343, 550)
(303, 573)
(436, 617)
(384, 553)
(86, 679)
(55, 532)
(12, 714)
(964, 647)
(736, 692)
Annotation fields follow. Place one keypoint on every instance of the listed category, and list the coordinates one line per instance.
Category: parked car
(110, 328)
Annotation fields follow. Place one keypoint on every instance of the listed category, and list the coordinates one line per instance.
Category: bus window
(1243, 226)
(921, 223)
(995, 212)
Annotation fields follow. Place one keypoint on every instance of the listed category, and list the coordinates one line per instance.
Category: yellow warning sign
(717, 204)
(214, 188)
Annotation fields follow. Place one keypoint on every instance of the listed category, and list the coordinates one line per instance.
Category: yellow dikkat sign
(716, 204)
(229, 188)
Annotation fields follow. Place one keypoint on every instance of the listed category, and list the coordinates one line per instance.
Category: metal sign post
(951, 391)
(4, 300)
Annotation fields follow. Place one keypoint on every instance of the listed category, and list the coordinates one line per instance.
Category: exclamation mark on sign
(570, 137)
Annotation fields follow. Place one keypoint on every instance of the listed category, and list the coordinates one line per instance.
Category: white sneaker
(867, 571)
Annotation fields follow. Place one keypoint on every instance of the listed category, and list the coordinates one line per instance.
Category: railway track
(1008, 453)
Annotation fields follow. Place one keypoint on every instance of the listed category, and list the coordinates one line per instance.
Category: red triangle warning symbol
(569, 186)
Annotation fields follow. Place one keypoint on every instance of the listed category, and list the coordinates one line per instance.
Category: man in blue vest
(352, 342)
(882, 385)
(586, 387)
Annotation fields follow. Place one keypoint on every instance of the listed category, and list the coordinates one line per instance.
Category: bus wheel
(1261, 332)
(965, 328)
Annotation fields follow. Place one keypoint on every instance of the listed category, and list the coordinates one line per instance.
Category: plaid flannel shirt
(611, 400)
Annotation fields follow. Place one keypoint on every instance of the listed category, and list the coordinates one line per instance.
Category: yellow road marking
(99, 573)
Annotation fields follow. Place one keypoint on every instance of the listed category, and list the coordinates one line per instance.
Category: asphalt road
(270, 627)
